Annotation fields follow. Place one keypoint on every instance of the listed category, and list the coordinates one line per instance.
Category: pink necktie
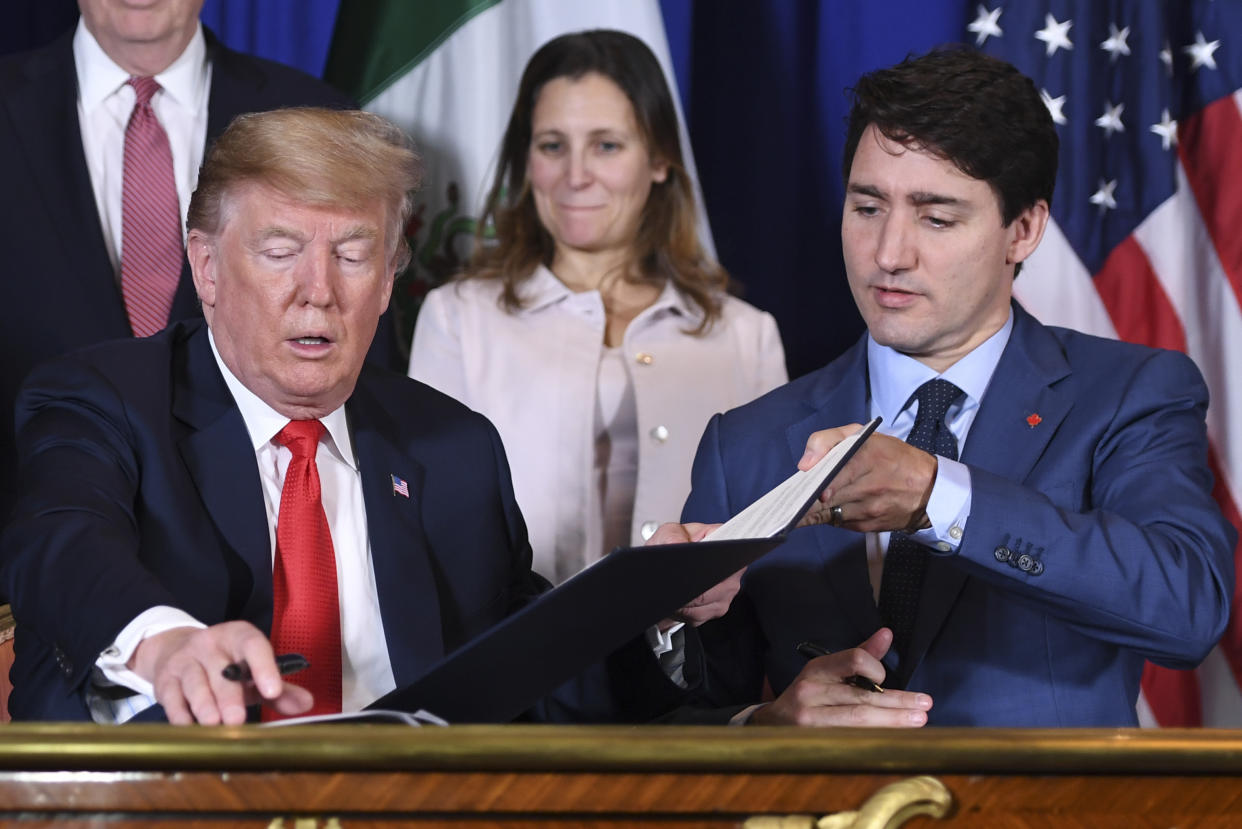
(151, 251)
(305, 609)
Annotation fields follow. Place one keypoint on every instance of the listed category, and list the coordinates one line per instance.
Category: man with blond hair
(227, 490)
(144, 81)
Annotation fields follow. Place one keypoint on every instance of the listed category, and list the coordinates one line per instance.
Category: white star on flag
(1110, 121)
(1116, 45)
(1166, 129)
(1201, 52)
(986, 25)
(1104, 196)
(1055, 34)
(1056, 106)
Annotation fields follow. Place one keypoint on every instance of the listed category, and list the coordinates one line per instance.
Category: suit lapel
(44, 114)
(221, 461)
(840, 397)
(1023, 407)
(1002, 441)
(399, 551)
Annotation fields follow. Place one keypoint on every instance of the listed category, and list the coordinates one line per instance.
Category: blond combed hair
(320, 157)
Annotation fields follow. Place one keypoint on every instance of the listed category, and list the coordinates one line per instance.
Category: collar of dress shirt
(263, 422)
(542, 288)
(894, 377)
(185, 81)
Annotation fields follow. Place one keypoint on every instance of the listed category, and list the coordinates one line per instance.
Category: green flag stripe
(375, 42)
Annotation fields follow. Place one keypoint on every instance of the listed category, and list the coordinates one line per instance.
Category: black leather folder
(507, 669)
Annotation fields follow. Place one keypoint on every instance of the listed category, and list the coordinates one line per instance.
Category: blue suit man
(1075, 536)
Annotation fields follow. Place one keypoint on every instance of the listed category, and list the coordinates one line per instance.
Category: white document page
(785, 504)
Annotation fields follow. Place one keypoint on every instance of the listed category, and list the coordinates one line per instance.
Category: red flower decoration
(1034, 420)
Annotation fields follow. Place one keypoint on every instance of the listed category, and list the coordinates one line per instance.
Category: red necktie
(305, 617)
(151, 247)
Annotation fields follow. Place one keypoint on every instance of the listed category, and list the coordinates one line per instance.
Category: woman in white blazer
(593, 330)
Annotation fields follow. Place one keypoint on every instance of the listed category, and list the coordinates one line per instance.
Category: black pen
(286, 663)
(811, 650)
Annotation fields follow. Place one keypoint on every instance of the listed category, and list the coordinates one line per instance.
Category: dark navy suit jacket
(140, 488)
(1108, 489)
(60, 289)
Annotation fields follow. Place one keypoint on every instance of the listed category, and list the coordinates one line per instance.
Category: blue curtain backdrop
(762, 85)
(296, 32)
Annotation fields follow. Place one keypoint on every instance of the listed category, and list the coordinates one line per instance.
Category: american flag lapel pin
(400, 486)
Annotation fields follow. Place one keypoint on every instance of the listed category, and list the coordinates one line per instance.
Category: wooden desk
(525, 776)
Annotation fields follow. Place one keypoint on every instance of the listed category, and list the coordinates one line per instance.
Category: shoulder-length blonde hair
(667, 245)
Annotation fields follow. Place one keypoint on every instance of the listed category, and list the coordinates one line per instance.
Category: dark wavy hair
(976, 111)
(667, 246)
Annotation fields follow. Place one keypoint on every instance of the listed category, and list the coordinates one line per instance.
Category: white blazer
(533, 374)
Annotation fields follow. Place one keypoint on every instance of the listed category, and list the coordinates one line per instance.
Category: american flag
(1146, 238)
(400, 486)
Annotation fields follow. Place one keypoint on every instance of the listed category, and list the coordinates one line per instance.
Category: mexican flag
(447, 71)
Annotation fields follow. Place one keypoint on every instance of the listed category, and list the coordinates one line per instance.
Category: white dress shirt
(893, 378)
(105, 101)
(366, 668)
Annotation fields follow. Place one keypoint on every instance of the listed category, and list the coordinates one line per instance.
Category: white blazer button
(648, 529)
(660, 433)
(643, 358)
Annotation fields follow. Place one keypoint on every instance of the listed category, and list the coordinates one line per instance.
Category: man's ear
(200, 250)
(1026, 231)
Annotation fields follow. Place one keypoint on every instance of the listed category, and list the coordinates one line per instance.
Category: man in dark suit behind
(152, 546)
(1034, 517)
(62, 121)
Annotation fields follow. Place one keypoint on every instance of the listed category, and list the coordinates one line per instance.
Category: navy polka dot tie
(905, 561)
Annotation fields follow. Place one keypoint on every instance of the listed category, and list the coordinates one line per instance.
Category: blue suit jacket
(1109, 491)
(60, 288)
(140, 488)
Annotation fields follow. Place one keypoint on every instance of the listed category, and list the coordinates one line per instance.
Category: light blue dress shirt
(892, 379)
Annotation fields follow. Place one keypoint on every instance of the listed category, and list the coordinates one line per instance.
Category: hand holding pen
(835, 689)
(286, 663)
(184, 666)
(811, 651)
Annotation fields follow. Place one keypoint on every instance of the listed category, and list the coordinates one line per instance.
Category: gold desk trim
(77, 747)
(889, 808)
